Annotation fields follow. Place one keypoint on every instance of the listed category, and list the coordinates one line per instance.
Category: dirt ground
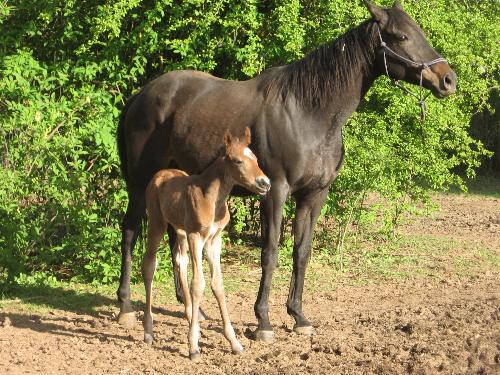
(446, 324)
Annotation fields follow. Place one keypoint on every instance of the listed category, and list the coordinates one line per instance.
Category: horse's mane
(322, 73)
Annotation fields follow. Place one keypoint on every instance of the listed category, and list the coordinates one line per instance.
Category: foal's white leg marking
(196, 244)
(213, 256)
(248, 153)
(182, 260)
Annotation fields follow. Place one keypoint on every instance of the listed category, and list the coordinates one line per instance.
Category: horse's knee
(301, 257)
(269, 258)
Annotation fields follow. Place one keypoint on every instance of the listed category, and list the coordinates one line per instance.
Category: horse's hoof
(264, 336)
(148, 338)
(127, 319)
(304, 330)
(195, 357)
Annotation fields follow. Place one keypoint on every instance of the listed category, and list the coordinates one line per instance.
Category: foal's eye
(238, 161)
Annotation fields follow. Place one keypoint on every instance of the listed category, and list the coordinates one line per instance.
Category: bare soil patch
(447, 323)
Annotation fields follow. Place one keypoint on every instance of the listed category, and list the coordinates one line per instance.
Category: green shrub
(66, 68)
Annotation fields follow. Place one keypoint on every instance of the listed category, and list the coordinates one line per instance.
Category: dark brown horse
(295, 112)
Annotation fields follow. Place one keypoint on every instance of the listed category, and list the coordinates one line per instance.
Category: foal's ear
(248, 136)
(228, 139)
(378, 13)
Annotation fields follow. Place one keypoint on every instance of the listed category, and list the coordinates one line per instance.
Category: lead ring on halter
(423, 65)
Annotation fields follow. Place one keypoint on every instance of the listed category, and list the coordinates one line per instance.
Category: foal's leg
(179, 293)
(307, 212)
(181, 263)
(271, 216)
(156, 230)
(196, 244)
(213, 256)
(131, 227)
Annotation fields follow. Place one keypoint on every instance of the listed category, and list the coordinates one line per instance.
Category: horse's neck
(332, 80)
(214, 183)
(346, 99)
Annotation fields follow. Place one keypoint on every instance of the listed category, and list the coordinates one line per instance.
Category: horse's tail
(120, 139)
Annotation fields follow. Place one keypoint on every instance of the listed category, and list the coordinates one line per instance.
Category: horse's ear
(378, 13)
(248, 136)
(397, 5)
(228, 139)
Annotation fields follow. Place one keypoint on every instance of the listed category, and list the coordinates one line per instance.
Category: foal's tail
(120, 138)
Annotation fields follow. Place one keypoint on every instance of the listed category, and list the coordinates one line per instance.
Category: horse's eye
(403, 37)
(237, 161)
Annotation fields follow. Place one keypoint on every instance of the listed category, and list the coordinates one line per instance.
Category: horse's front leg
(213, 255)
(179, 292)
(307, 212)
(271, 216)
(131, 227)
(196, 243)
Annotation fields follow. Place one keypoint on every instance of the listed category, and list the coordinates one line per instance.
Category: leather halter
(421, 65)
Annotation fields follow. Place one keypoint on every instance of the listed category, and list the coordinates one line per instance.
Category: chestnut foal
(196, 207)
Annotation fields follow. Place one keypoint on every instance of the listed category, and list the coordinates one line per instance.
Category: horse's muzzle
(449, 83)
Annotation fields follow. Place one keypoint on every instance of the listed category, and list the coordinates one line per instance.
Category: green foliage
(66, 68)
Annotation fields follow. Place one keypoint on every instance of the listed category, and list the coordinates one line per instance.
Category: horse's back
(181, 117)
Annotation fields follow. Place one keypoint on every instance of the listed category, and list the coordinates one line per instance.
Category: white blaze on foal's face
(248, 153)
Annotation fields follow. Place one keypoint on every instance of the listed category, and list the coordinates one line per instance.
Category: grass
(483, 186)
(370, 259)
(408, 256)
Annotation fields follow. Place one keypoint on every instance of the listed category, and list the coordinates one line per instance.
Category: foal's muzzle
(262, 184)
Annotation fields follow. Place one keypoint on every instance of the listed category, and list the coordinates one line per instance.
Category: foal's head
(241, 164)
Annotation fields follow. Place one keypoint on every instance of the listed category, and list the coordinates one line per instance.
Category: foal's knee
(148, 265)
(217, 287)
(197, 289)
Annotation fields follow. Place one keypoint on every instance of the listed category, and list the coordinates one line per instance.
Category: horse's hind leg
(156, 230)
(131, 227)
(213, 256)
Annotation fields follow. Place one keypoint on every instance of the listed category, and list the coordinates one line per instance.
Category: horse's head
(405, 54)
(242, 165)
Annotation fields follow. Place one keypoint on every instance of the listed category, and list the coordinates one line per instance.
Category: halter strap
(422, 65)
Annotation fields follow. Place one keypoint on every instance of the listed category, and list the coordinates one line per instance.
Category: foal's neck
(215, 183)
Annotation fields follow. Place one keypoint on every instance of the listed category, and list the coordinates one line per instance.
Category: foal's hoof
(238, 349)
(304, 330)
(148, 338)
(195, 357)
(264, 336)
(127, 319)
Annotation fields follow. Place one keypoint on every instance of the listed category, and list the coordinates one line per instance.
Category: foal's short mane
(319, 76)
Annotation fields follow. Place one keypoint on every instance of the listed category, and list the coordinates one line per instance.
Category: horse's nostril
(448, 80)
